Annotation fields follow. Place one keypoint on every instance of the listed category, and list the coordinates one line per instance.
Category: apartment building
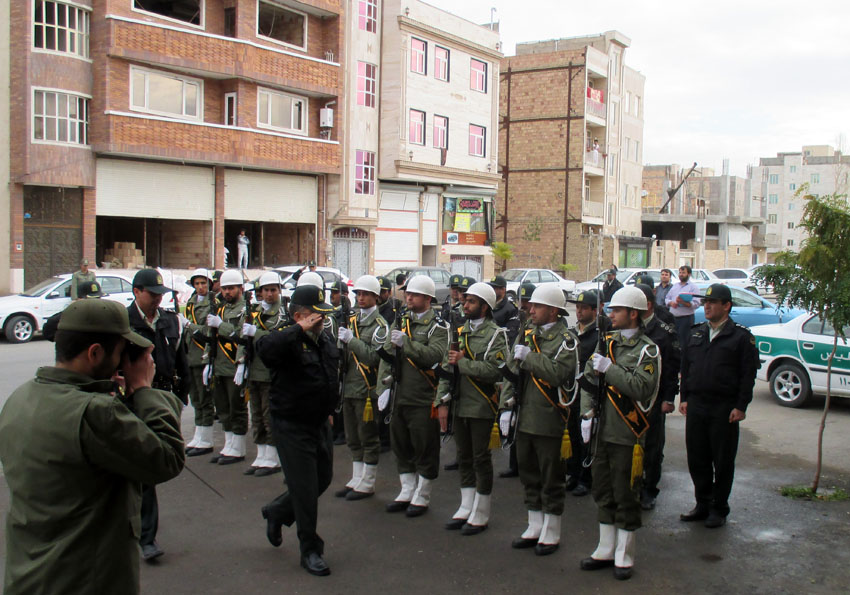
(171, 125)
(777, 182)
(419, 170)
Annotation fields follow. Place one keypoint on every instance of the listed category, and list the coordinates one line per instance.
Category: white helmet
(311, 278)
(421, 284)
(268, 278)
(368, 283)
(200, 273)
(483, 291)
(628, 297)
(549, 295)
(231, 277)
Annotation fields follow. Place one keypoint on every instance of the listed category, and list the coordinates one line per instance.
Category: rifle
(343, 317)
(455, 386)
(597, 399)
(212, 340)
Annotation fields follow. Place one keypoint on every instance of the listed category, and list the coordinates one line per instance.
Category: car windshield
(513, 274)
(622, 275)
(41, 287)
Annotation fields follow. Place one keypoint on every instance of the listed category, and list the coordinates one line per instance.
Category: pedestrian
(663, 287)
(364, 334)
(82, 277)
(472, 399)
(304, 361)
(628, 369)
(610, 286)
(505, 312)
(682, 303)
(162, 328)
(542, 372)
(195, 339)
(242, 243)
(417, 343)
(75, 474)
(719, 365)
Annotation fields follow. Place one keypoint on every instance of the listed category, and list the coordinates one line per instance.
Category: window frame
(64, 143)
(773, 178)
(81, 10)
(474, 73)
(369, 4)
(483, 140)
(202, 8)
(424, 53)
(277, 41)
(365, 181)
(366, 94)
(233, 95)
(199, 117)
(437, 61)
(445, 133)
(410, 124)
(304, 112)
(815, 178)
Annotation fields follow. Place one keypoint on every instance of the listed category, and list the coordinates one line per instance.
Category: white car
(329, 275)
(794, 359)
(23, 315)
(516, 277)
(739, 278)
(628, 276)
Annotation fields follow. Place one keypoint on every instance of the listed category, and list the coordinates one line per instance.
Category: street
(770, 545)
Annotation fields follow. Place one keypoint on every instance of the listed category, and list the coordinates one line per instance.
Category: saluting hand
(313, 322)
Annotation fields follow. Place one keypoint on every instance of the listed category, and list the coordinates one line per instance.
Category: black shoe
(699, 513)
(355, 495)
(343, 492)
(594, 564)
(472, 529)
(314, 564)
(572, 483)
(339, 440)
(581, 490)
(273, 532)
(263, 471)
(385, 448)
(250, 471)
(398, 506)
(509, 473)
(521, 543)
(228, 460)
(214, 459)
(544, 549)
(451, 466)
(455, 524)
(414, 510)
(622, 573)
(647, 502)
(151, 551)
(196, 452)
(715, 520)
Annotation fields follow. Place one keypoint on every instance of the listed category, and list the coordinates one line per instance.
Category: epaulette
(667, 327)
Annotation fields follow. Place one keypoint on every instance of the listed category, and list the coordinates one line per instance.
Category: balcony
(594, 107)
(594, 160)
(592, 212)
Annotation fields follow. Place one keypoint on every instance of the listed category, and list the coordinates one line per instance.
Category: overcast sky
(739, 79)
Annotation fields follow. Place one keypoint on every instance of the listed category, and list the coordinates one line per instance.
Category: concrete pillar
(218, 239)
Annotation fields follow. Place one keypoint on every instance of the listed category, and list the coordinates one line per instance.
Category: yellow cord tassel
(247, 395)
(368, 413)
(566, 446)
(637, 463)
(495, 436)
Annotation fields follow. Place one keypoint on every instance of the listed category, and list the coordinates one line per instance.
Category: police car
(794, 359)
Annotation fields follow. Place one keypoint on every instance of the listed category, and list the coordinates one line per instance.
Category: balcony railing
(592, 208)
(596, 108)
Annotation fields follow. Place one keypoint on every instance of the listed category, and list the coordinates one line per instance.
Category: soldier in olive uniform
(482, 349)
(229, 402)
(628, 367)
(541, 382)
(82, 277)
(365, 333)
(196, 335)
(417, 342)
(456, 320)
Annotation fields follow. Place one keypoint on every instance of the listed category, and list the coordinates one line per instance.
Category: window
(60, 117)
(637, 106)
(441, 132)
(773, 199)
(281, 111)
(637, 151)
(789, 243)
(61, 28)
(441, 63)
(792, 186)
(111, 285)
(418, 56)
(774, 178)
(282, 25)
(793, 169)
(416, 133)
(790, 206)
(477, 75)
(790, 225)
(771, 218)
(230, 22)
(628, 148)
(366, 74)
(368, 16)
(815, 178)
(185, 11)
(166, 94)
(477, 138)
(627, 102)
(364, 175)
(615, 107)
(615, 65)
(612, 165)
(230, 109)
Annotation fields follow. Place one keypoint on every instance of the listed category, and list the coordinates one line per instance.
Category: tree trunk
(825, 411)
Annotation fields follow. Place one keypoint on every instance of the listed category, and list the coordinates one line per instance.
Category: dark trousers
(361, 436)
(150, 515)
(618, 501)
(472, 437)
(261, 421)
(306, 456)
(683, 328)
(202, 399)
(712, 444)
(653, 454)
(541, 472)
(230, 405)
(575, 464)
(415, 440)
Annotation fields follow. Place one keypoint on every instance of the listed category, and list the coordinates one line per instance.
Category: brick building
(161, 123)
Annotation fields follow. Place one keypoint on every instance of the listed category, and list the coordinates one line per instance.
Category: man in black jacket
(505, 314)
(304, 362)
(611, 285)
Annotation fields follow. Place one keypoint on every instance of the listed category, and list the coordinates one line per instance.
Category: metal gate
(468, 266)
(351, 251)
(53, 238)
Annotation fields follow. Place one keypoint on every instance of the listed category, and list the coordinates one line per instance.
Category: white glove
(505, 422)
(397, 338)
(585, 430)
(601, 363)
(213, 321)
(384, 400)
(183, 321)
(345, 334)
(520, 351)
(248, 330)
(206, 375)
(239, 377)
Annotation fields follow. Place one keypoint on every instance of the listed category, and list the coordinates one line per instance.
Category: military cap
(647, 291)
(216, 276)
(454, 281)
(497, 281)
(385, 283)
(611, 272)
(717, 291)
(646, 279)
(310, 296)
(339, 286)
(589, 297)
(84, 262)
(466, 283)
(150, 280)
(525, 291)
(89, 290)
(102, 316)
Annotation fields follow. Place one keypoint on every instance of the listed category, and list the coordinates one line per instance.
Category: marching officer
(195, 337)
(628, 369)
(82, 277)
(541, 382)
(226, 321)
(505, 312)
(365, 333)
(482, 350)
(417, 342)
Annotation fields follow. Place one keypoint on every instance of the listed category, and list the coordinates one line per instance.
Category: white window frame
(772, 218)
(203, 9)
(77, 32)
(369, 83)
(371, 6)
(773, 178)
(277, 41)
(615, 108)
(410, 123)
(199, 117)
(483, 140)
(815, 178)
(305, 111)
(233, 96)
(63, 143)
(369, 170)
(441, 131)
(473, 75)
(423, 53)
(627, 102)
(440, 76)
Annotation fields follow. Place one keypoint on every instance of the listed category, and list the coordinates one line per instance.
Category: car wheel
(790, 386)
(19, 329)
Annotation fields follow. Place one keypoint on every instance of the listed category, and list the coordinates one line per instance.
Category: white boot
(607, 542)
(356, 473)
(624, 556)
(550, 533)
(421, 498)
(467, 498)
(238, 445)
(261, 455)
(194, 441)
(535, 525)
(408, 485)
(366, 486)
(479, 517)
(205, 439)
(272, 458)
(227, 451)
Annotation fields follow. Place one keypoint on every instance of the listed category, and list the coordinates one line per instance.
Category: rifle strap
(190, 310)
(491, 401)
(631, 415)
(540, 383)
(365, 371)
(429, 375)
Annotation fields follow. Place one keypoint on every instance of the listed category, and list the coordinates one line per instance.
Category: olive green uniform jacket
(361, 367)
(78, 279)
(75, 480)
(196, 312)
(266, 321)
(231, 324)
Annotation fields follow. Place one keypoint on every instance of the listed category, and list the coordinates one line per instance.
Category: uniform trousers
(150, 515)
(415, 438)
(306, 456)
(231, 407)
(202, 399)
(361, 436)
(617, 501)
(575, 464)
(261, 421)
(541, 472)
(653, 454)
(472, 437)
(712, 444)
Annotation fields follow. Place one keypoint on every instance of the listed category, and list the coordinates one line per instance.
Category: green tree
(502, 251)
(818, 278)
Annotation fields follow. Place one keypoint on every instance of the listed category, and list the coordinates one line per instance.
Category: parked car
(516, 277)
(329, 276)
(440, 276)
(23, 315)
(794, 357)
(628, 276)
(738, 278)
(750, 309)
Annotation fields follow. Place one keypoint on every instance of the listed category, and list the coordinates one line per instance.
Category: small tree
(818, 278)
(502, 251)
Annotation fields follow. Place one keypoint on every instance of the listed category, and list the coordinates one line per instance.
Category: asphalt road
(770, 545)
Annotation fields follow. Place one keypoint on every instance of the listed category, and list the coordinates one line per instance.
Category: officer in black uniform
(665, 336)
(719, 365)
(304, 361)
(611, 285)
(162, 328)
(505, 314)
(388, 306)
(662, 312)
(453, 305)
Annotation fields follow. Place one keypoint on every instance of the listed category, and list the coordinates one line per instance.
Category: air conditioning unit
(326, 118)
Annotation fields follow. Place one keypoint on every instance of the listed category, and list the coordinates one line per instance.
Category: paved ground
(771, 544)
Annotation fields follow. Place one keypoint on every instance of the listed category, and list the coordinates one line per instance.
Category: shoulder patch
(649, 368)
